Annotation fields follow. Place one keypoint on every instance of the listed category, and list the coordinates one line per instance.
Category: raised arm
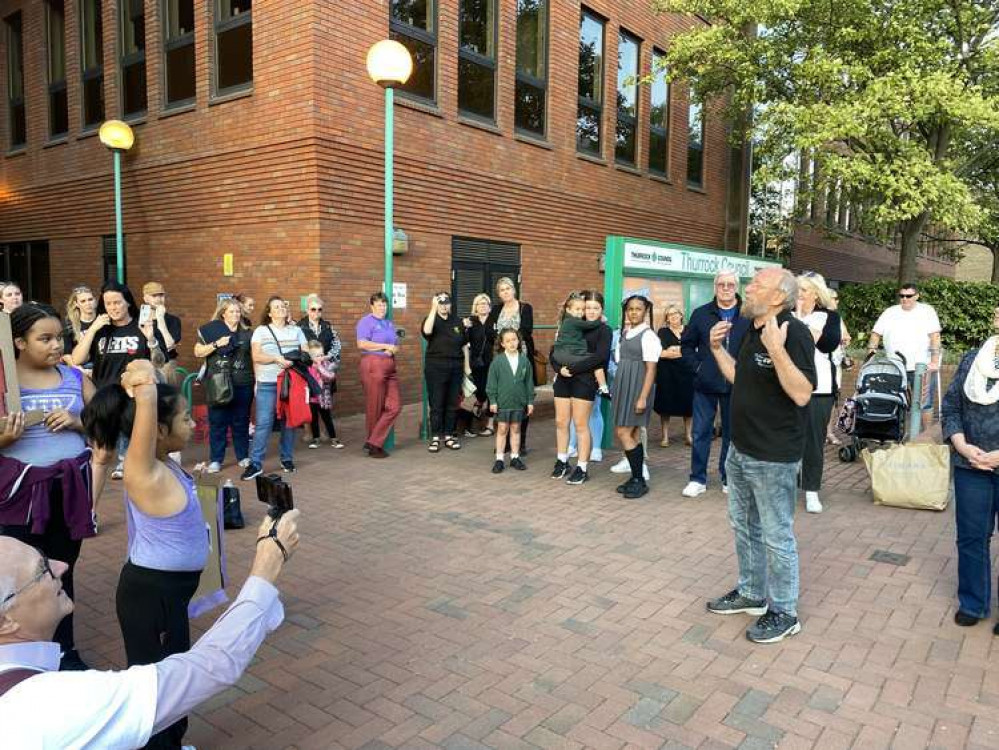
(716, 339)
(81, 352)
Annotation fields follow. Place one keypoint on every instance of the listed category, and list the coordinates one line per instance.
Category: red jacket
(295, 410)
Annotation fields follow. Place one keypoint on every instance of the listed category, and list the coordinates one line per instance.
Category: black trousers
(152, 614)
(327, 416)
(55, 544)
(444, 379)
(816, 424)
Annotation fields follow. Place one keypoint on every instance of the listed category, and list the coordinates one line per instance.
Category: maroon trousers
(382, 402)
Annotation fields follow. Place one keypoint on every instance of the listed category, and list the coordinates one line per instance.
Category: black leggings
(152, 613)
(444, 379)
(55, 544)
(327, 416)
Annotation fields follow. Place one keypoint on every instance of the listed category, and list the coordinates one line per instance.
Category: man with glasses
(912, 329)
(42, 707)
(711, 390)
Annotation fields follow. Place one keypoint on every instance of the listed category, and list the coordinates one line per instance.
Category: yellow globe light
(116, 135)
(389, 63)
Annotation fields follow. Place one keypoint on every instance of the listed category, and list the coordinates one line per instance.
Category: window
(233, 45)
(109, 257)
(16, 122)
(659, 116)
(132, 14)
(626, 136)
(413, 24)
(55, 34)
(695, 143)
(92, 61)
(477, 58)
(27, 265)
(591, 83)
(530, 89)
(476, 266)
(178, 51)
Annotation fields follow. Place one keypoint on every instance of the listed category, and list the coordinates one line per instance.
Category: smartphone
(145, 314)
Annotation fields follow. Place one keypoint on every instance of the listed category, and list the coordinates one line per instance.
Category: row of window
(233, 59)
(414, 24)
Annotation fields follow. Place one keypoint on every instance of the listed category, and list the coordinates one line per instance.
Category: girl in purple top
(378, 342)
(168, 539)
(59, 393)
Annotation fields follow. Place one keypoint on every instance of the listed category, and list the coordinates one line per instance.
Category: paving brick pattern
(434, 605)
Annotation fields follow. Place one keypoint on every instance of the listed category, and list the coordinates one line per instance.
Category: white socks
(563, 457)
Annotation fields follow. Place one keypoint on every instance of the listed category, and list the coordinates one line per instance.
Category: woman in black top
(317, 328)
(674, 376)
(224, 343)
(444, 369)
(480, 353)
(512, 313)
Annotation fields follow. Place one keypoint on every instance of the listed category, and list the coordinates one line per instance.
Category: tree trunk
(995, 264)
(909, 251)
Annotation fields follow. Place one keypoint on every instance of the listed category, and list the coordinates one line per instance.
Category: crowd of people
(761, 370)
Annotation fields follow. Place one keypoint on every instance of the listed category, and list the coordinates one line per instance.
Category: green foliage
(965, 309)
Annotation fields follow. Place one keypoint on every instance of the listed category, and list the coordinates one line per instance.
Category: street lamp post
(118, 137)
(389, 65)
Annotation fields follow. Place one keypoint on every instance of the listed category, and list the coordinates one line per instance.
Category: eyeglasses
(46, 570)
(726, 285)
(906, 296)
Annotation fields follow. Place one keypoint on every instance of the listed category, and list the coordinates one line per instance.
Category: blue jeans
(976, 495)
(264, 420)
(235, 416)
(596, 430)
(703, 432)
(761, 497)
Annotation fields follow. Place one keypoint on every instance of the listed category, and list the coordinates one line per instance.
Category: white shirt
(816, 321)
(908, 333)
(117, 710)
(291, 337)
(652, 347)
(514, 360)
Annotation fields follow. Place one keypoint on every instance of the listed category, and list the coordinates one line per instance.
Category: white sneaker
(596, 455)
(621, 467)
(645, 472)
(118, 472)
(244, 463)
(693, 489)
(213, 468)
(724, 489)
(812, 504)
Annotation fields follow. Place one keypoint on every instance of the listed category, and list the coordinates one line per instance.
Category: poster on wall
(662, 292)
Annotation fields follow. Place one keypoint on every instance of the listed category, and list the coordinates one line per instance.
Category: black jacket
(325, 336)
(598, 344)
(526, 327)
(696, 346)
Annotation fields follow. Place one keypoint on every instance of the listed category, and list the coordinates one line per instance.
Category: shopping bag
(211, 589)
(910, 475)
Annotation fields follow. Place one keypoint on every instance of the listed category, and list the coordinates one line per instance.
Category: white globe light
(389, 63)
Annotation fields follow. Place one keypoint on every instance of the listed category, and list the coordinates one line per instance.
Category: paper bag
(211, 589)
(910, 476)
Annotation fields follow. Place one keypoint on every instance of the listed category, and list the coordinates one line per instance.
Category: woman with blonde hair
(81, 312)
(674, 376)
(224, 344)
(480, 355)
(511, 312)
(814, 309)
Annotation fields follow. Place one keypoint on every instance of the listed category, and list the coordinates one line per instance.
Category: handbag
(219, 388)
(540, 362)
(232, 513)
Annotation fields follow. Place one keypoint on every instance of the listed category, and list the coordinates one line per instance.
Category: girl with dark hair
(379, 343)
(168, 544)
(46, 476)
(633, 393)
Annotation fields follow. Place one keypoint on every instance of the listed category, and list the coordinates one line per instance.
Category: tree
(877, 92)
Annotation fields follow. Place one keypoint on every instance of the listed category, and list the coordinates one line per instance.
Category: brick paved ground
(432, 604)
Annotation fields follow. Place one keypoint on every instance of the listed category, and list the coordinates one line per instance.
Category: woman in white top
(814, 301)
(272, 347)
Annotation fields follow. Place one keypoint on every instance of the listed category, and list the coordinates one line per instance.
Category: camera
(274, 491)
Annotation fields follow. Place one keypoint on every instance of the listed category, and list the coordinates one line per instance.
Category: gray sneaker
(734, 603)
(773, 627)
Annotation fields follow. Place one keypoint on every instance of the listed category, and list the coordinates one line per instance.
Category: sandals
(435, 445)
(452, 443)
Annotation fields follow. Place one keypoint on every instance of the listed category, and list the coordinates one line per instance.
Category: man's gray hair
(789, 285)
(726, 273)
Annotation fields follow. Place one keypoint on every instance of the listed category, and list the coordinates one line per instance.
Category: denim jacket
(978, 423)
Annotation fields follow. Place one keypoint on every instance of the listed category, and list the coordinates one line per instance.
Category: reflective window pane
(659, 116)
(476, 88)
(133, 26)
(625, 141)
(55, 21)
(93, 101)
(627, 72)
(421, 82)
(179, 18)
(591, 57)
(416, 13)
(532, 38)
(529, 108)
(17, 124)
(477, 26)
(695, 144)
(229, 9)
(133, 88)
(92, 34)
(658, 152)
(588, 130)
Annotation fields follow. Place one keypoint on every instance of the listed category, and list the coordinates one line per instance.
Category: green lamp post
(118, 137)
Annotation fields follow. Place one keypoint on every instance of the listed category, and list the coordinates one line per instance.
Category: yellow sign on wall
(227, 264)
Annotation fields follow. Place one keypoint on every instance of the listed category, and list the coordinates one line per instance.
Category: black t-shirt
(69, 335)
(766, 424)
(114, 347)
(446, 339)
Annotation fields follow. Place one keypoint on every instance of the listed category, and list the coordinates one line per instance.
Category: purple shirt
(377, 331)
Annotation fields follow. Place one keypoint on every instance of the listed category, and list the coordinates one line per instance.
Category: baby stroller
(877, 412)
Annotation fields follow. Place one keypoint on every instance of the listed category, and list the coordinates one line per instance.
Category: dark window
(178, 51)
(591, 83)
(233, 45)
(695, 144)
(413, 23)
(626, 135)
(659, 116)
(109, 255)
(55, 34)
(92, 61)
(27, 265)
(477, 58)
(132, 14)
(476, 266)
(531, 85)
(17, 124)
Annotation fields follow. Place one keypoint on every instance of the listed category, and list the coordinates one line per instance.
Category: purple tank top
(38, 445)
(175, 543)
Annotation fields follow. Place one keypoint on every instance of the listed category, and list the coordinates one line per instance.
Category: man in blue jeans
(772, 381)
(711, 390)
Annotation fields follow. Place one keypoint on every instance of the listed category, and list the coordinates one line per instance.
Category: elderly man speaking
(43, 708)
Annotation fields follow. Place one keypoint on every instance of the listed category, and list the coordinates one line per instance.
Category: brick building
(258, 133)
